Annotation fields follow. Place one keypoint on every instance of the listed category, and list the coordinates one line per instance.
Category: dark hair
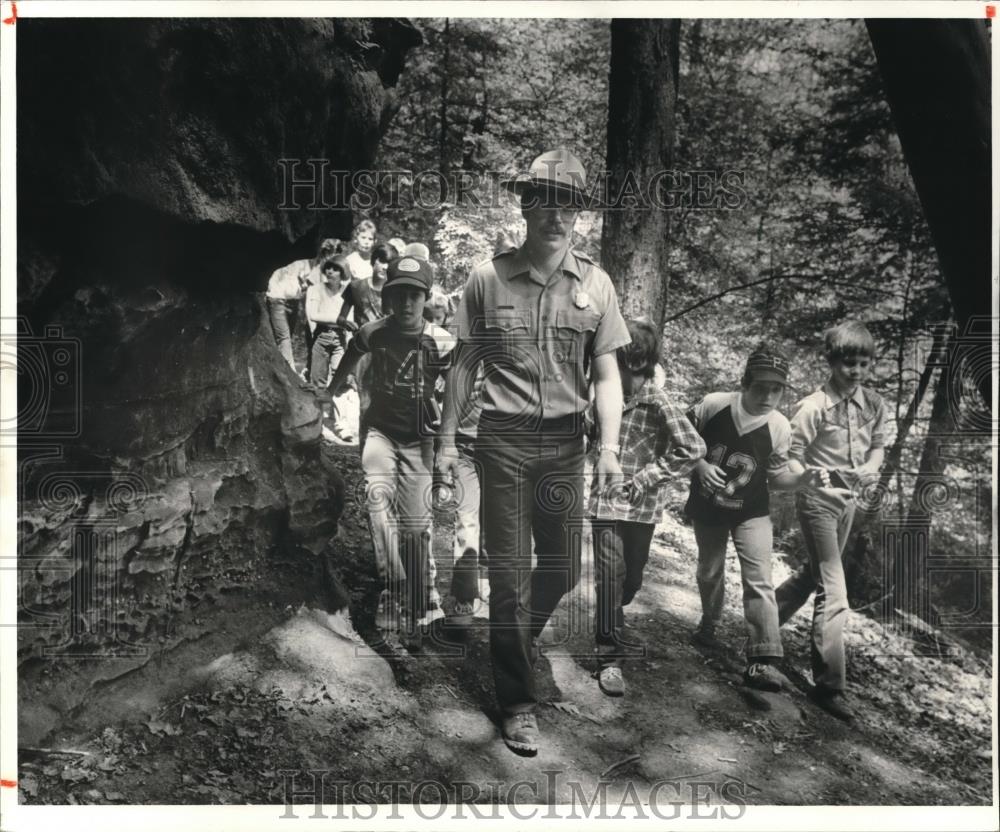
(330, 246)
(847, 340)
(767, 356)
(383, 252)
(339, 263)
(643, 353)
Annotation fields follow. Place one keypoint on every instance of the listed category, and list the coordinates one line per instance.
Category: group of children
(734, 445)
(737, 446)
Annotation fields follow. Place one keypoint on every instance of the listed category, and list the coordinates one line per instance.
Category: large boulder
(167, 452)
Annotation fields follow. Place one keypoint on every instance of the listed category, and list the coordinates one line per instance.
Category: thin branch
(740, 287)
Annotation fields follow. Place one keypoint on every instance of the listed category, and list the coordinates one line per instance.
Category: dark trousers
(532, 485)
(324, 356)
(621, 549)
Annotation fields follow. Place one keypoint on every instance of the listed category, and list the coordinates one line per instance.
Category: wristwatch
(604, 446)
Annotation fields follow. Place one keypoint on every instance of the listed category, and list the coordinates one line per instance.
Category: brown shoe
(520, 732)
(833, 702)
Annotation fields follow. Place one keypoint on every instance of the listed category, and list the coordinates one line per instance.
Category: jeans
(825, 528)
(284, 315)
(531, 485)
(621, 549)
(398, 498)
(753, 539)
(465, 575)
(324, 358)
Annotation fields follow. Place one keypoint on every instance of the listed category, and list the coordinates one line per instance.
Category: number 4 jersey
(404, 371)
(748, 448)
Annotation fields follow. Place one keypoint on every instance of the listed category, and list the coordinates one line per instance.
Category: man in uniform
(544, 321)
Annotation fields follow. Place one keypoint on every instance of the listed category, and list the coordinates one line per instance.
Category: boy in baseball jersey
(748, 444)
(408, 355)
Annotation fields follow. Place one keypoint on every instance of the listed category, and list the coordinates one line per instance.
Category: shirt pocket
(507, 334)
(575, 331)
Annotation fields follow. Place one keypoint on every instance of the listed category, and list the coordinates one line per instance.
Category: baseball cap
(767, 366)
(409, 271)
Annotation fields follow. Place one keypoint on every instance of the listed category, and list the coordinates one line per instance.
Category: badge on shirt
(581, 300)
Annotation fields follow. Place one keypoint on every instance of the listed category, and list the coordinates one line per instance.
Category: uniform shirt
(361, 267)
(366, 300)
(657, 443)
(404, 369)
(536, 339)
(286, 282)
(750, 449)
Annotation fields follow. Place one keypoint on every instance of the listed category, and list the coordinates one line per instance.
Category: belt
(567, 426)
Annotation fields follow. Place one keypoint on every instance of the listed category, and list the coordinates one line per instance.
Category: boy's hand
(710, 477)
(446, 462)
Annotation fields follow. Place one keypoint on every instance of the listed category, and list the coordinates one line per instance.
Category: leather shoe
(520, 732)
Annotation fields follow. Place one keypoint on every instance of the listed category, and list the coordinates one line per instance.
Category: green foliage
(504, 91)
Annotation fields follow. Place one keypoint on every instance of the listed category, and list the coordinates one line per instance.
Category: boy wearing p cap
(748, 443)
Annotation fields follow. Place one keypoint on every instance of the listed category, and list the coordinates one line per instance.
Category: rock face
(165, 448)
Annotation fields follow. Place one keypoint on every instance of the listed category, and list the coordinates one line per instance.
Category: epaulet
(504, 252)
(581, 255)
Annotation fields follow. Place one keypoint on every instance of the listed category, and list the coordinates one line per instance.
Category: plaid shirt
(658, 442)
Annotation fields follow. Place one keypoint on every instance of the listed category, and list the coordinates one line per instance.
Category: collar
(519, 264)
(834, 398)
(649, 393)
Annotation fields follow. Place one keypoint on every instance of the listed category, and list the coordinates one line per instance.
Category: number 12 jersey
(749, 448)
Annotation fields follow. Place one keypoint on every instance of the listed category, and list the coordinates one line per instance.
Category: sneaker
(387, 615)
(430, 617)
(611, 682)
(463, 613)
(762, 676)
(520, 732)
(833, 702)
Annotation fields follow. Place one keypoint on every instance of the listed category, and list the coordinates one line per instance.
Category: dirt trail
(206, 726)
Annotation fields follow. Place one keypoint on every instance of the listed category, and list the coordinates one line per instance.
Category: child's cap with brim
(409, 271)
(767, 367)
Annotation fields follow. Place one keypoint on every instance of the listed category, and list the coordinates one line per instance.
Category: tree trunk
(445, 84)
(937, 82)
(642, 95)
(912, 590)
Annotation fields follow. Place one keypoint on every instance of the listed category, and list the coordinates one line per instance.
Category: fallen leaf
(779, 748)
(726, 760)
(162, 728)
(72, 774)
(29, 785)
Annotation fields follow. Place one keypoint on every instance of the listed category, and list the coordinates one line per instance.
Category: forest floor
(210, 723)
